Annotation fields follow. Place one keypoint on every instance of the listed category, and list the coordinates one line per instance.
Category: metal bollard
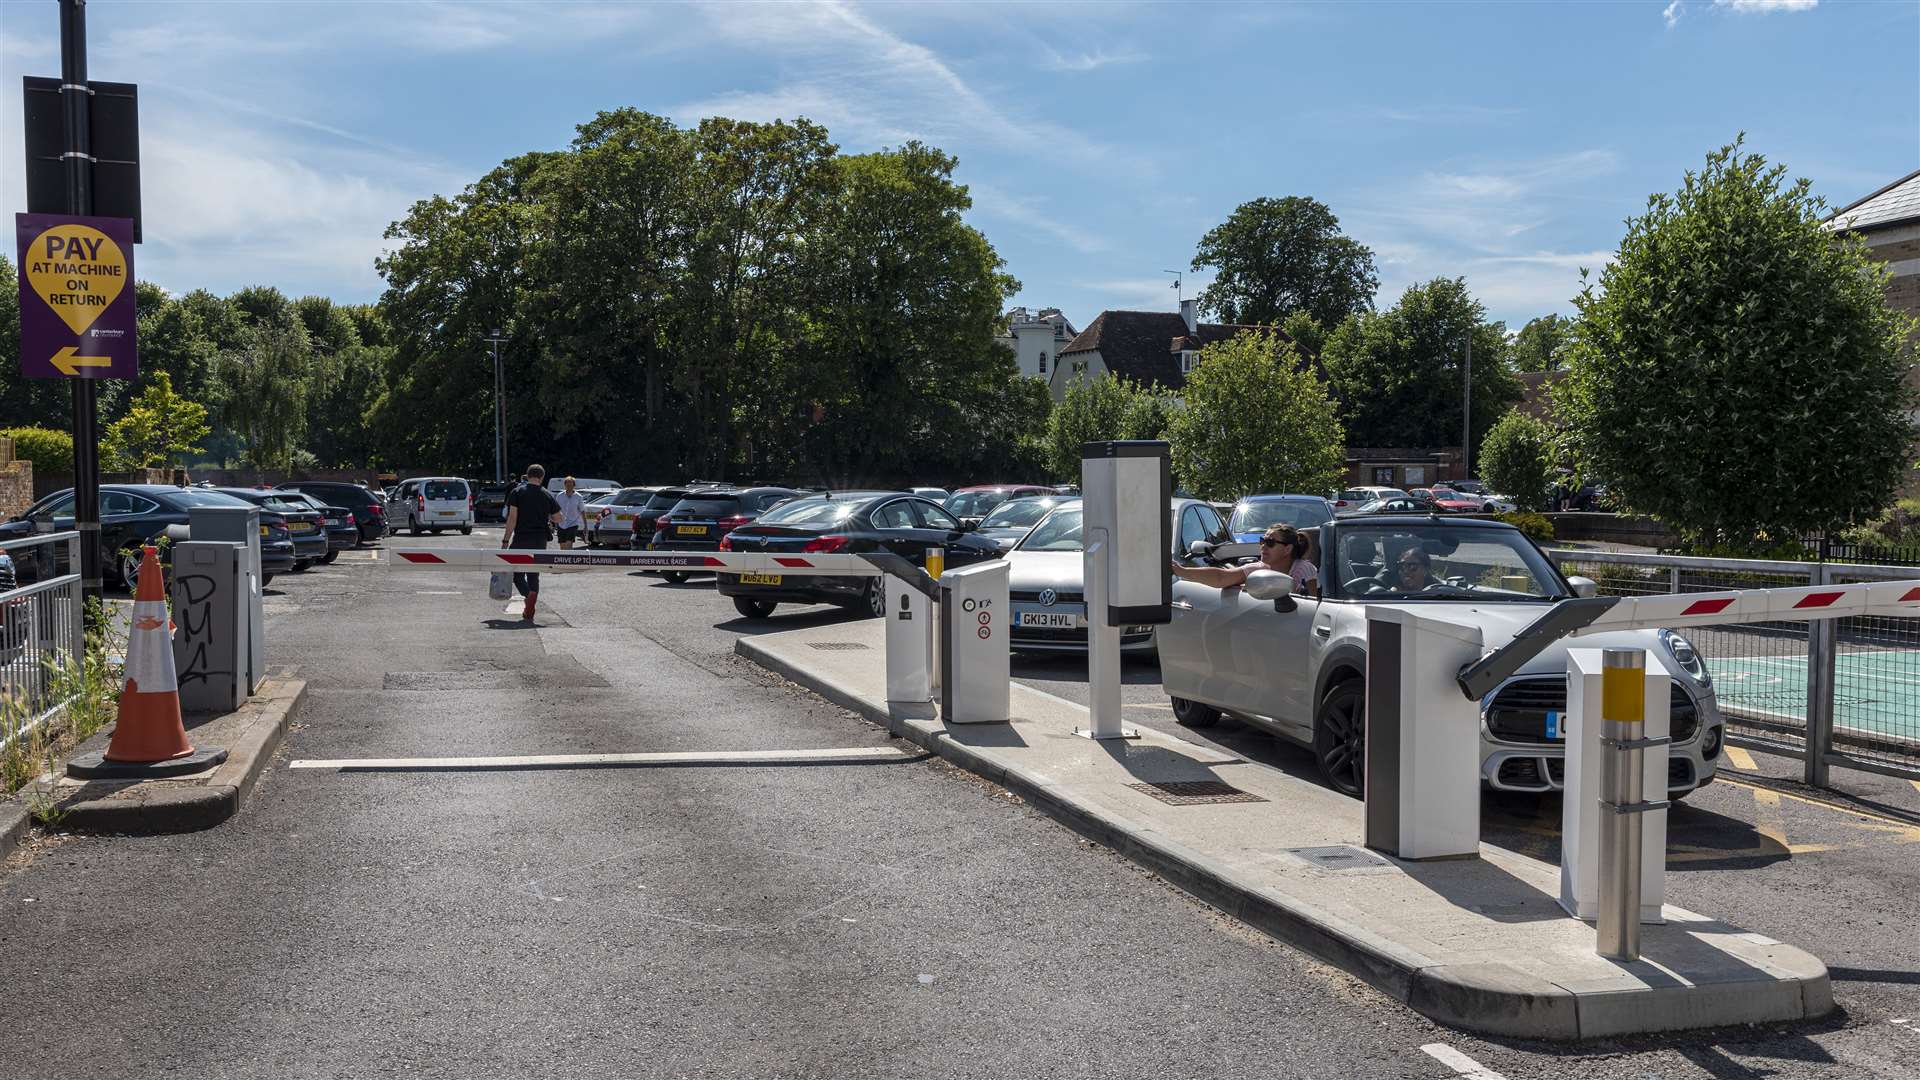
(1623, 676)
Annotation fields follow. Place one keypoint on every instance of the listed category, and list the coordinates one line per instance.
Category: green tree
(1541, 345)
(1273, 257)
(1307, 333)
(1738, 371)
(1399, 373)
(158, 426)
(50, 451)
(1517, 459)
(1097, 410)
(1257, 419)
(265, 388)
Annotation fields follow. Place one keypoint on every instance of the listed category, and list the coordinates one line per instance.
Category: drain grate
(835, 646)
(1195, 792)
(1338, 857)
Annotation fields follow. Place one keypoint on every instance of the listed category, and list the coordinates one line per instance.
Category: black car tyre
(300, 565)
(591, 542)
(675, 577)
(331, 555)
(265, 580)
(751, 608)
(413, 526)
(1194, 714)
(466, 530)
(1340, 738)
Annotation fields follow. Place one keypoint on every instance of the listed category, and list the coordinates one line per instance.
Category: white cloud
(1090, 61)
(1032, 213)
(1764, 7)
(1672, 13)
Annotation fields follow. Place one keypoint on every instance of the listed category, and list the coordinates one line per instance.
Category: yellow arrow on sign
(70, 364)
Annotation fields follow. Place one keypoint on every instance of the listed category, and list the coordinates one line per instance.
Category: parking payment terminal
(974, 673)
(1126, 488)
(909, 644)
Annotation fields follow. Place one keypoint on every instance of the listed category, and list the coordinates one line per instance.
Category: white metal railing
(42, 631)
(1837, 691)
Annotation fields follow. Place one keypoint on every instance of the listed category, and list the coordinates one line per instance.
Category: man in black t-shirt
(531, 512)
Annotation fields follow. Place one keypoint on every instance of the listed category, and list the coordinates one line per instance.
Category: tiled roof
(1896, 203)
(1145, 346)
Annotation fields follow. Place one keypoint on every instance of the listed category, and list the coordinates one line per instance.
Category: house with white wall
(1153, 348)
(1036, 338)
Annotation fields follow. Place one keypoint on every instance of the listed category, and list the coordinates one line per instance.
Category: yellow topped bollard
(936, 562)
(1623, 713)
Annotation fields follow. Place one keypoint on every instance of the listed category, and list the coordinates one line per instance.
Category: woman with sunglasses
(1282, 549)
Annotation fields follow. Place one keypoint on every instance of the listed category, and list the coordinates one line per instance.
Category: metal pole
(1623, 698)
(499, 419)
(1822, 636)
(76, 104)
(1466, 415)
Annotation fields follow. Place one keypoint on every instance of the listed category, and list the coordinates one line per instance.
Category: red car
(1449, 500)
(970, 504)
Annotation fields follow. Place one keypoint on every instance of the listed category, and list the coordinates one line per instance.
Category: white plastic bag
(500, 587)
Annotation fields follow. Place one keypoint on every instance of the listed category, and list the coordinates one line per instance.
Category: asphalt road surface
(871, 919)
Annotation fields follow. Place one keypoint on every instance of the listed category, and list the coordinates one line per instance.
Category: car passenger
(1282, 549)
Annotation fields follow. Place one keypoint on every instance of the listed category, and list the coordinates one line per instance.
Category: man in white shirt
(573, 513)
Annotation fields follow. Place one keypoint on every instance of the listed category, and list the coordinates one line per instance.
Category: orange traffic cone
(149, 729)
(149, 741)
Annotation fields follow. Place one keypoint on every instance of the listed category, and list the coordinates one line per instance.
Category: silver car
(1300, 674)
(1046, 573)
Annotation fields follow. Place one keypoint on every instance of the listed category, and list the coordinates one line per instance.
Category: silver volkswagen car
(1300, 673)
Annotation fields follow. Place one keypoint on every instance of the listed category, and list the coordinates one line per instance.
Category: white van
(431, 503)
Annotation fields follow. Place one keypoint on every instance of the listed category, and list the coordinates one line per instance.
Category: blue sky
(1504, 142)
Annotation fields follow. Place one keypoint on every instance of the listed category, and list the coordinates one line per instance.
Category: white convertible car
(1300, 673)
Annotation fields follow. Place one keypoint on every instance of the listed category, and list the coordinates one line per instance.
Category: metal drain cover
(1338, 857)
(1195, 792)
(835, 646)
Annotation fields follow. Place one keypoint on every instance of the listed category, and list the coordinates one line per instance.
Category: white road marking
(671, 757)
(1460, 1063)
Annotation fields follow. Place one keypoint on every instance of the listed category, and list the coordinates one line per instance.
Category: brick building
(1889, 221)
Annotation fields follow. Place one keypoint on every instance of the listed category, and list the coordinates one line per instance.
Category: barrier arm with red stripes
(523, 560)
(1599, 614)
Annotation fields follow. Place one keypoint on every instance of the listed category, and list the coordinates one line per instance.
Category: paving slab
(1481, 944)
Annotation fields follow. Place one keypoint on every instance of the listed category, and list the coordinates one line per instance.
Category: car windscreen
(707, 506)
(1058, 531)
(1018, 513)
(446, 489)
(1440, 563)
(280, 504)
(973, 504)
(189, 497)
(803, 512)
(1264, 514)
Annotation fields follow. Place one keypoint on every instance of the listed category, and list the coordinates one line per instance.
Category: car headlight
(1685, 655)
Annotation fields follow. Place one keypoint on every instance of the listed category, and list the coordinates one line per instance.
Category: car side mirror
(1200, 549)
(1269, 585)
(1584, 587)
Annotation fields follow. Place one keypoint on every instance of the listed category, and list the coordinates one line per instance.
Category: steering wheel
(1363, 586)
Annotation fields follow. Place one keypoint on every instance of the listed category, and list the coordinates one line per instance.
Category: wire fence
(42, 630)
(1849, 688)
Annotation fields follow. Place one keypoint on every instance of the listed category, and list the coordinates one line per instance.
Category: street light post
(74, 95)
(499, 411)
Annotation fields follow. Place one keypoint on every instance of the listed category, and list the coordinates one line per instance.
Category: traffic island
(1480, 944)
(175, 803)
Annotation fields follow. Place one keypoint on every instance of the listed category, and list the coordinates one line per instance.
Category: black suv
(369, 509)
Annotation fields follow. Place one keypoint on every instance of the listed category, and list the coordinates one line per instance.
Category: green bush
(1515, 458)
(1538, 527)
(50, 451)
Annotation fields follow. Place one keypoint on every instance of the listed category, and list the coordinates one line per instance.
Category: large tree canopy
(1738, 371)
(1256, 419)
(1275, 257)
(1541, 345)
(1399, 373)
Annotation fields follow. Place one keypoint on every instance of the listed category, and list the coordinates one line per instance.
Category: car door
(934, 527)
(898, 530)
(122, 517)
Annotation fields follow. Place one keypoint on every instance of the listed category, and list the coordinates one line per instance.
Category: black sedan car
(131, 516)
(369, 507)
(703, 519)
(342, 532)
(490, 502)
(304, 524)
(849, 522)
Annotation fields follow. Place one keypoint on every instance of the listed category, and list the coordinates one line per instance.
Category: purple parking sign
(76, 297)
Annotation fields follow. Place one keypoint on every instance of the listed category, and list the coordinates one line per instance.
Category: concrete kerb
(1484, 997)
(251, 734)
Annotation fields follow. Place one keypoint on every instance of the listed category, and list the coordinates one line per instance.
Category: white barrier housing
(1423, 737)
